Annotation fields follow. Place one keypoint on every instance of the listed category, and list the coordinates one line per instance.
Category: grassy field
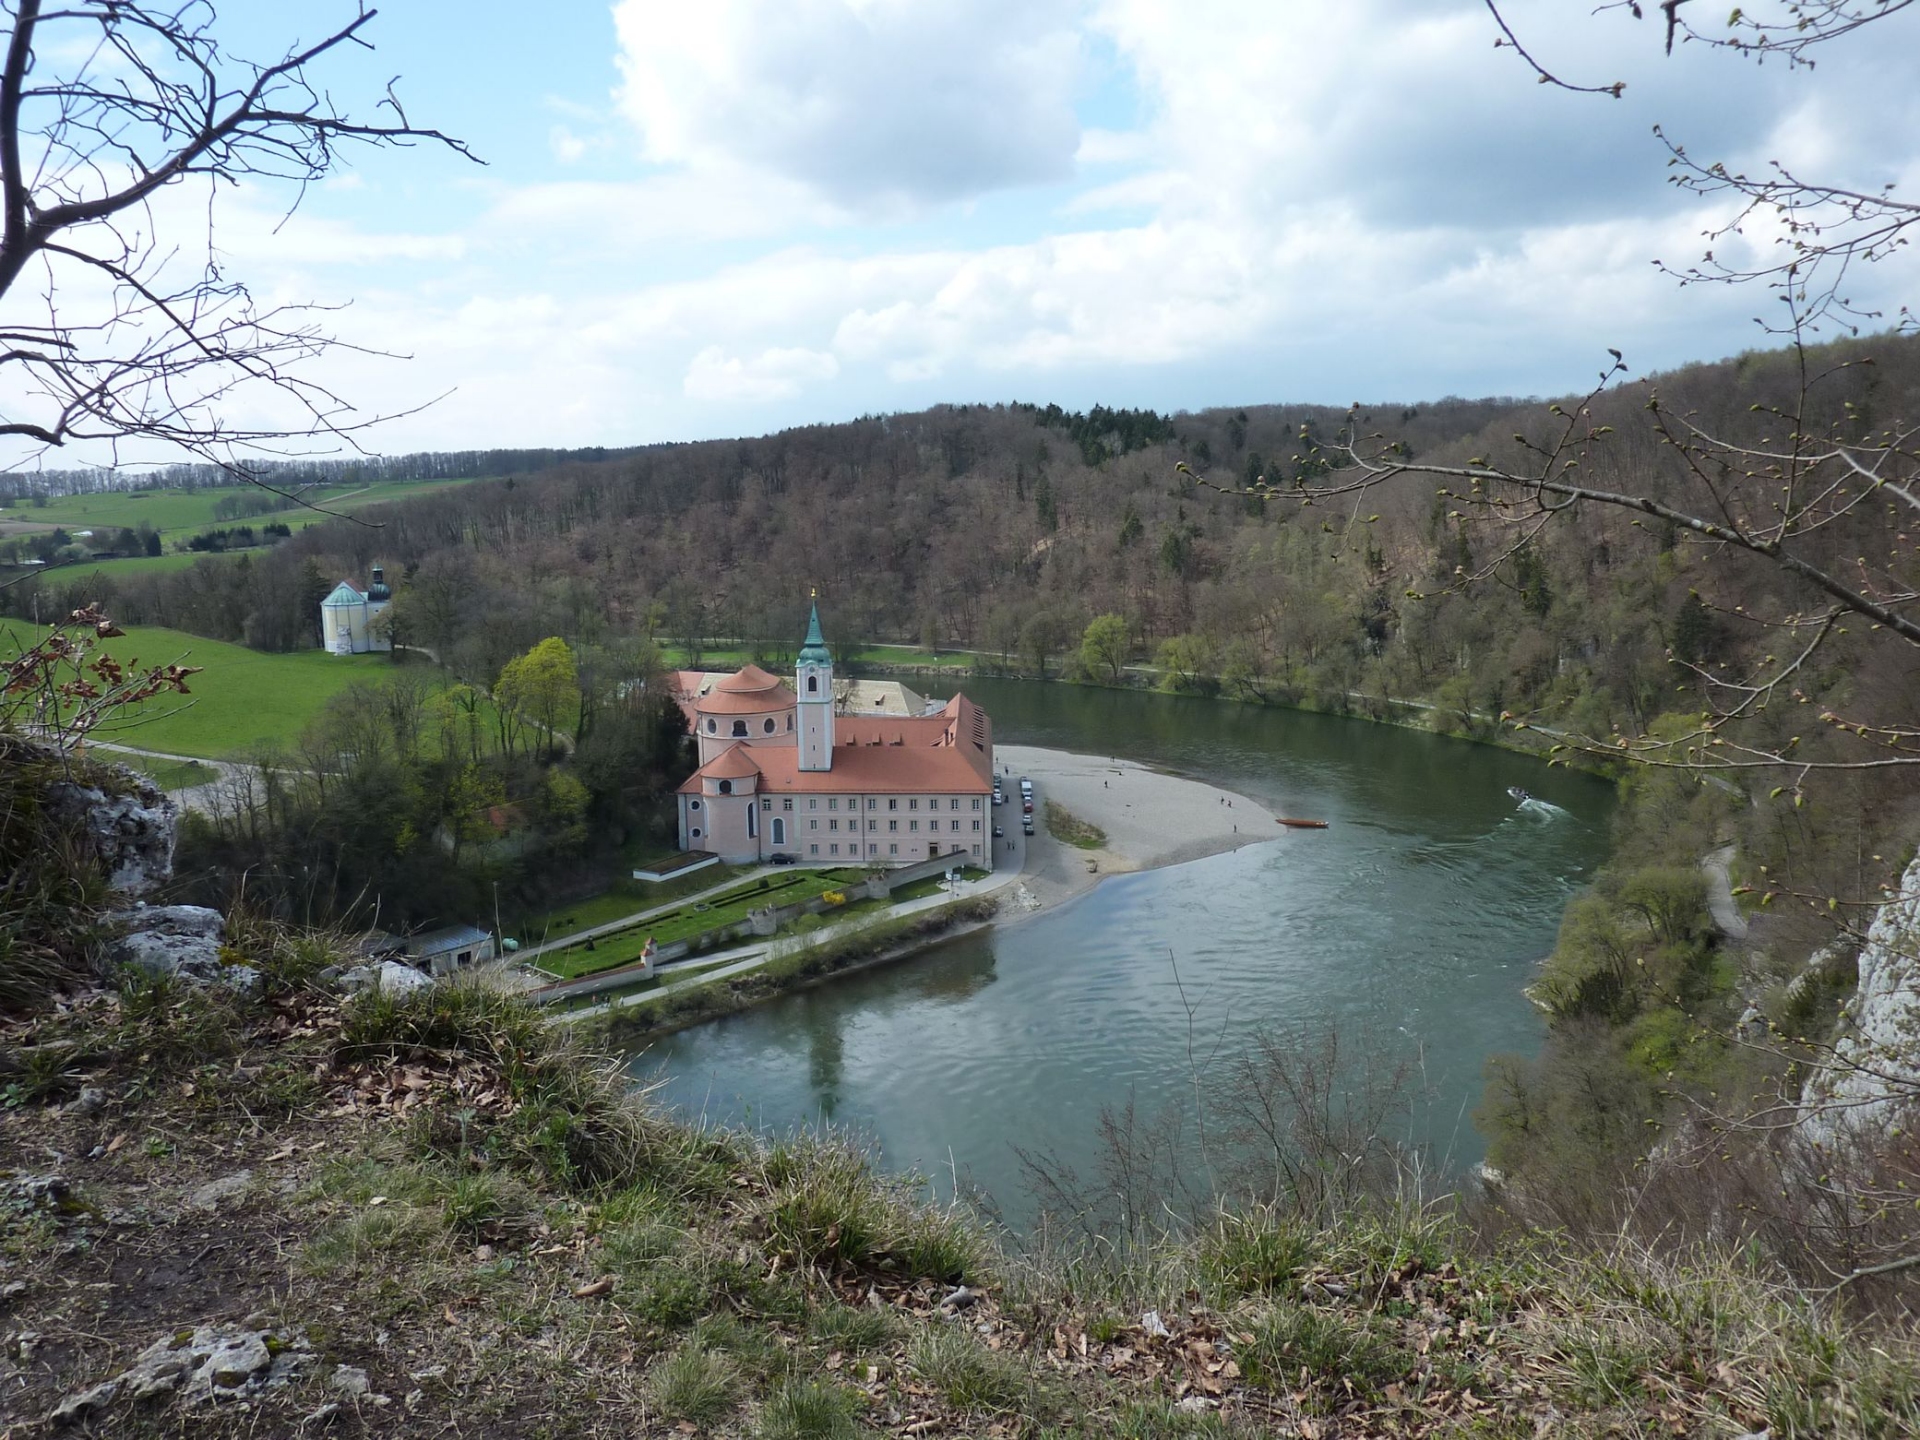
(909, 655)
(142, 564)
(733, 659)
(184, 512)
(241, 701)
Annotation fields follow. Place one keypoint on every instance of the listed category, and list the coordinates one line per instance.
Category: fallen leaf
(597, 1287)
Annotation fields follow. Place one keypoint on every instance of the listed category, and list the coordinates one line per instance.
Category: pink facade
(781, 775)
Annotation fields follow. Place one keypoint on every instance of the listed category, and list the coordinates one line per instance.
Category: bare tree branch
(174, 346)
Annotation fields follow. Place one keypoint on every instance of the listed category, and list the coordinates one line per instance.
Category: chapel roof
(748, 678)
(750, 691)
(736, 762)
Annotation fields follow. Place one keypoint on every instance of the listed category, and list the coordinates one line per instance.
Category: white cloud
(1355, 200)
(874, 104)
(770, 375)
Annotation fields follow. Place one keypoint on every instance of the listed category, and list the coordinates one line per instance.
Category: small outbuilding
(442, 952)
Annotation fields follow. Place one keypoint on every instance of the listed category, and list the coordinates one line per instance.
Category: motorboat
(1293, 824)
(1517, 793)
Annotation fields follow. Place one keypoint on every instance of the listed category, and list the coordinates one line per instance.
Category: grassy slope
(509, 1243)
(181, 512)
(242, 700)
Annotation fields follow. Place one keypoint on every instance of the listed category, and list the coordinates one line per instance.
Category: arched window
(726, 787)
(779, 831)
(813, 684)
(753, 821)
(740, 728)
(768, 726)
(789, 722)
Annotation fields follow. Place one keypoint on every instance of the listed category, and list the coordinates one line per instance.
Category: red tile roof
(736, 762)
(748, 678)
(857, 769)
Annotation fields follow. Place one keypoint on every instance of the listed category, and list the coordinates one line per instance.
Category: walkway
(1720, 902)
(195, 797)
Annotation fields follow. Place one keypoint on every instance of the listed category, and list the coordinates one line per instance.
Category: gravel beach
(1151, 820)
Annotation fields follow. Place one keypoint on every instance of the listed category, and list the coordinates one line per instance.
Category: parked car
(1026, 825)
(1026, 788)
(781, 858)
(1026, 806)
(998, 833)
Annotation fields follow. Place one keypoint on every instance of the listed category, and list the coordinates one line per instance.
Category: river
(1414, 919)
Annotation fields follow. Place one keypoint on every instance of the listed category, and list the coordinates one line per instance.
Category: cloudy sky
(739, 215)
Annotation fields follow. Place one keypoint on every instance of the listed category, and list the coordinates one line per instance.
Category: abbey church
(826, 776)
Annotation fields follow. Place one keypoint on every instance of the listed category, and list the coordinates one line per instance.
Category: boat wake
(1545, 809)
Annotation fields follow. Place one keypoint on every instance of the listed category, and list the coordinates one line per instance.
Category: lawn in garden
(686, 921)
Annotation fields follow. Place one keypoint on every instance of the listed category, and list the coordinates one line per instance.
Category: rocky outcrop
(387, 975)
(179, 942)
(199, 1365)
(1876, 1071)
(131, 830)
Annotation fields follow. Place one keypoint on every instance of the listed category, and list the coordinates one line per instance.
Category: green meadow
(178, 513)
(241, 701)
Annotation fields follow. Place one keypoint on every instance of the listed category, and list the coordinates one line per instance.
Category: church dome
(750, 692)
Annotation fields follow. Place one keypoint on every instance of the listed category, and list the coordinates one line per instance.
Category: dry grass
(511, 1243)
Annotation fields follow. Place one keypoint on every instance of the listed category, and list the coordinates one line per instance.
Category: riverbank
(1151, 819)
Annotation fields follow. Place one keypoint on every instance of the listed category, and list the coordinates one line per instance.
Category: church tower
(813, 685)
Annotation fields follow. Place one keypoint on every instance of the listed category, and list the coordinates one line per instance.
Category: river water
(1414, 920)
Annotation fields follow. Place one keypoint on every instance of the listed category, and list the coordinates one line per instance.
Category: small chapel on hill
(784, 772)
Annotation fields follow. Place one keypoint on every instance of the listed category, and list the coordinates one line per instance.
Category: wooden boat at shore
(1292, 824)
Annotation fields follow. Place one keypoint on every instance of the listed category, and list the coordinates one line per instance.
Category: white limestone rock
(204, 1364)
(1877, 1077)
(133, 833)
(386, 975)
(179, 941)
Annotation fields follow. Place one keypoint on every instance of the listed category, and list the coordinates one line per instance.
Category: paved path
(1726, 914)
(195, 797)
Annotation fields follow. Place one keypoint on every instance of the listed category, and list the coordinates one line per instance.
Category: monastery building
(833, 776)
